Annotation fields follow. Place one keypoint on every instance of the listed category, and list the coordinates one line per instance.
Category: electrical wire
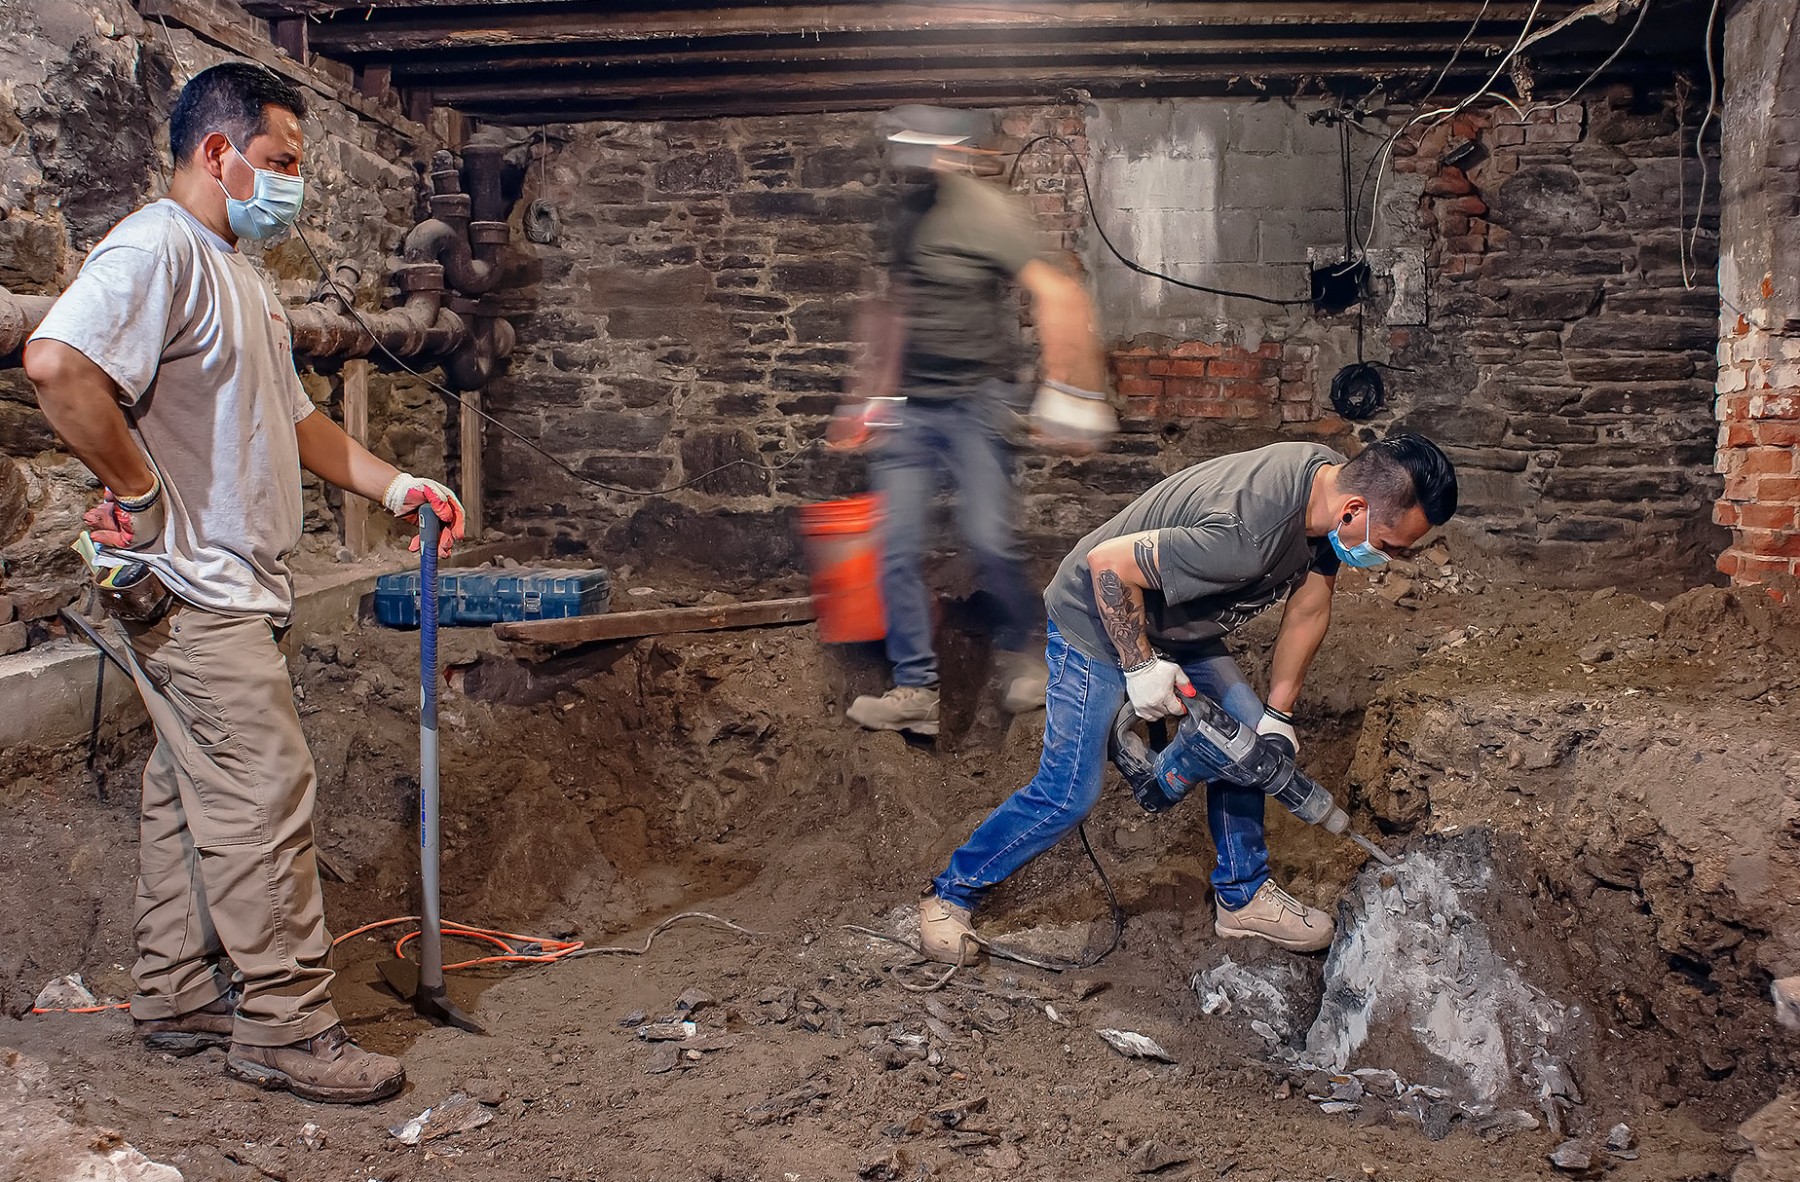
(1643, 10)
(1053, 964)
(1463, 44)
(515, 949)
(1692, 237)
(1132, 264)
(445, 392)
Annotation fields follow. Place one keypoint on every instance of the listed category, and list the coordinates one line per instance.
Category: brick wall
(1269, 385)
(1758, 405)
(1759, 456)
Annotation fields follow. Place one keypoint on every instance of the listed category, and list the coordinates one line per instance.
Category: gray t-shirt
(1231, 540)
(199, 348)
(961, 329)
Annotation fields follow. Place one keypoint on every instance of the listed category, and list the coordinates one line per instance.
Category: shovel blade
(402, 976)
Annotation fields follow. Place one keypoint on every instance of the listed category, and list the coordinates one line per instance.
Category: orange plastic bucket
(843, 551)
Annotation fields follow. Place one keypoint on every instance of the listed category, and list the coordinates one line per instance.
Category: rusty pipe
(19, 317)
(471, 270)
(419, 328)
(481, 169)
(489, 344)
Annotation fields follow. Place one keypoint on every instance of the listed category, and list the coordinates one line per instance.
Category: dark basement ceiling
(531, 61)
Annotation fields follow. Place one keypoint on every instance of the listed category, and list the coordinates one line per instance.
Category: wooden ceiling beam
(427, 68)
(901, 14)
(436, 27)
(728, 93)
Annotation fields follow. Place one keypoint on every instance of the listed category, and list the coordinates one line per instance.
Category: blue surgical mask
(1364, 554)
(272, 207)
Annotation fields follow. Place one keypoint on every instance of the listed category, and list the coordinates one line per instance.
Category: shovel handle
(431, 944)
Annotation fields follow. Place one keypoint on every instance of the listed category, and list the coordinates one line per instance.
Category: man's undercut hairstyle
(1400, 472)
(232, 98)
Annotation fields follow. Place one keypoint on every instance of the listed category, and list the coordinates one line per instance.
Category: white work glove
(128, 523)
(1280, 727)
(1068, 418)
(406, 492)
(1156, 688)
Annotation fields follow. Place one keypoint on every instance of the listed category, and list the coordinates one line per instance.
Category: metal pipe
(19, 317)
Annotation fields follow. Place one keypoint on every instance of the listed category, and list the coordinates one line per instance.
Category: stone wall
(697, 308)
(1758, 404)
(85, 90)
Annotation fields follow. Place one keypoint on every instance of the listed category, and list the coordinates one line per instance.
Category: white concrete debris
(38, 1142)
(1134, 1045)
(1412, 956)
(65, 993)
(1260, 995)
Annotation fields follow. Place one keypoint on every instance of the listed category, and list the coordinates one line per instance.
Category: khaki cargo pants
(226, 864)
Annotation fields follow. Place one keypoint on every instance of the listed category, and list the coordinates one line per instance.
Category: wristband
(140, 503)
(1139, 667)
(1075, 391)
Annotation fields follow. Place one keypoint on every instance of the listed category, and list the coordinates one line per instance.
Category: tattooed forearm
(1122, 615)
(1144, 550)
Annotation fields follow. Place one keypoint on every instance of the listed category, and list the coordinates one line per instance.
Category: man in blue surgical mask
(1139, 612)
(166, 368)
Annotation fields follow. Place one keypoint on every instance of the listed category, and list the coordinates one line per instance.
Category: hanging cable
(1712, 99)
(1461, 45)
(1643, 9)
(452, 396)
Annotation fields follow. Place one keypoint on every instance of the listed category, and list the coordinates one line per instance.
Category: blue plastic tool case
(489, 595)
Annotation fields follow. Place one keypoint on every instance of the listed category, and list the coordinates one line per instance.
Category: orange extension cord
(552, 950)
(511, 942)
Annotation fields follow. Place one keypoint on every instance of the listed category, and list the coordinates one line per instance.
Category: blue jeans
(1084, 697)
(962, 436)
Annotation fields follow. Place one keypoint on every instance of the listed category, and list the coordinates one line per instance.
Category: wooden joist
(657, 622)
(200, 20)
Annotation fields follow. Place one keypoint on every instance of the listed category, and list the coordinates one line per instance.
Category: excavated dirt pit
(1596, 799)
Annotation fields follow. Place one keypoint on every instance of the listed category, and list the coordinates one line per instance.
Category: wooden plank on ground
(658, 622)
(356, 425)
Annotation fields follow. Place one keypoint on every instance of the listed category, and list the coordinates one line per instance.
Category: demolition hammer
(1209, 744)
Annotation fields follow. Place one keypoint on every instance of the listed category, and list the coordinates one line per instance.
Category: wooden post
(355, 381)
(470, 450)
(289, 36)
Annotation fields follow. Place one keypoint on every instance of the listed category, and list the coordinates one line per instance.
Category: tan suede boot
(904, 708)
(945, 933)
(1279, 918)
(328, 1068)
(1023, 681)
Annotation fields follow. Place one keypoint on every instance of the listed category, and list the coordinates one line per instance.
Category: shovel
(425, 983)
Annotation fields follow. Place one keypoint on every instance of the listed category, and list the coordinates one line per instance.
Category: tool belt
(132, 593)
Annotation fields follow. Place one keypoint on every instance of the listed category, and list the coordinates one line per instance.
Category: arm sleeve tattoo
(1144, 550)
(1122, 614)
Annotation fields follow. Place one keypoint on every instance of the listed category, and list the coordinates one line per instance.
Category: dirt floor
(1632, 770)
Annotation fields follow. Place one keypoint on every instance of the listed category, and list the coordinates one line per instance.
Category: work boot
(1279, 918)
(328, 1068)
(904, 708)
(1023, 681)
(945, 933)
(192, 1032)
